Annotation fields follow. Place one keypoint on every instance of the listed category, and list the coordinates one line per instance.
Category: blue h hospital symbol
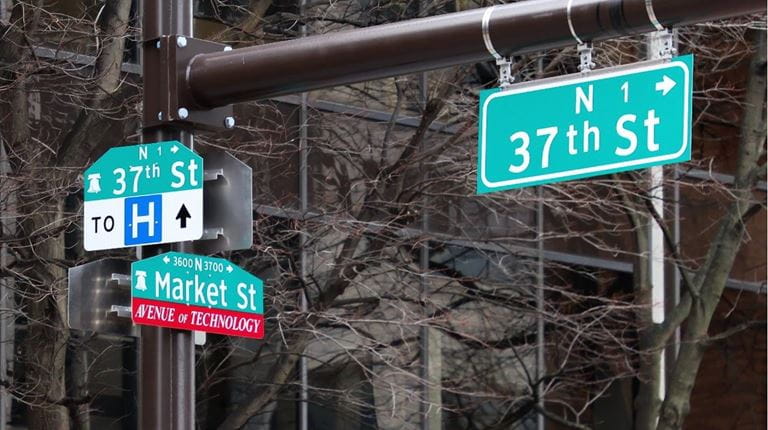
(143, 217)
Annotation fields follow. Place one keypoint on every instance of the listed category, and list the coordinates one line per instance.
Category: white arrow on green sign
(194, 292)
(559, 129)
(143, 194)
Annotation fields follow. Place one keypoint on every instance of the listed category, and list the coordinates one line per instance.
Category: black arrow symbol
(183, 215)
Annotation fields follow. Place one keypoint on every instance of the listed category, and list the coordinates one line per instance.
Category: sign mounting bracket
(167, 99)
(503, 62)
(585, 57)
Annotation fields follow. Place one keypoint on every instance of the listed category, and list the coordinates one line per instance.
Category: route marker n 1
(143, 194)
(193, 292)
(558, 129)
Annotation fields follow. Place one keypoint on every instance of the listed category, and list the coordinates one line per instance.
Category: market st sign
(194, 292)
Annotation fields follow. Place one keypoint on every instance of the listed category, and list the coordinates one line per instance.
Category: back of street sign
(143, 194)
(558, 129)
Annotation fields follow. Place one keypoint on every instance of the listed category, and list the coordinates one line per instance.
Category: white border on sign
(594, 169)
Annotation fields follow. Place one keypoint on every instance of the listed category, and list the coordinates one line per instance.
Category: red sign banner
(187, 317)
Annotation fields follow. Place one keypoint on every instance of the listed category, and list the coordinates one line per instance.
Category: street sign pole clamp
(167, 97)
(663, 38)
(503, 62)
(585, 57)
(505, 72)
(664, 44)
(583, 47)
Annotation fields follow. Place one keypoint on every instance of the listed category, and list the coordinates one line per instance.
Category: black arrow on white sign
(182, 216)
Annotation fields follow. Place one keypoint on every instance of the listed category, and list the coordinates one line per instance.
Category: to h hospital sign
(142, 195)
(559, 129)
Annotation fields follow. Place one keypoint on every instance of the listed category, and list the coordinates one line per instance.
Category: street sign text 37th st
(143, 194)
(610, 121)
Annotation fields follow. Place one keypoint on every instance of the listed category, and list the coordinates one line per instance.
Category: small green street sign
(143, 194)
(611, 120)
(194, 292)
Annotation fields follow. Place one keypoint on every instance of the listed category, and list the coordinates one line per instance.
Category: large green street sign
(559, 129)
(143, 194)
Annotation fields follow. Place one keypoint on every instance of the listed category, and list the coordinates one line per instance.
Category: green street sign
(195, 292)
(611, 120)
(143, 194)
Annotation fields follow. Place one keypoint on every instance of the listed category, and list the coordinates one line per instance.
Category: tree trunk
(43, 283)
(43, 301)
(45, 305)
(711, 277)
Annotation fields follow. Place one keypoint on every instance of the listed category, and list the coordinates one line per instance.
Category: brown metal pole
(166, 356)
(430, 43)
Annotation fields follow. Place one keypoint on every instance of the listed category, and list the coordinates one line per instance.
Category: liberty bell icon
(141, 283)
(93, 183)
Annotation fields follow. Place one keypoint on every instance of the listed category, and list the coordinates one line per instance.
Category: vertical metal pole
(656, 262)
(431, 344)
(676, 227)
(5, 336)
(424, 265)
(424, 407)
(540, 365)
(166, 356)
(304, 238)
(655, 235)
(130, 385)
(303, 272)
(7, 228)
(78, 375)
